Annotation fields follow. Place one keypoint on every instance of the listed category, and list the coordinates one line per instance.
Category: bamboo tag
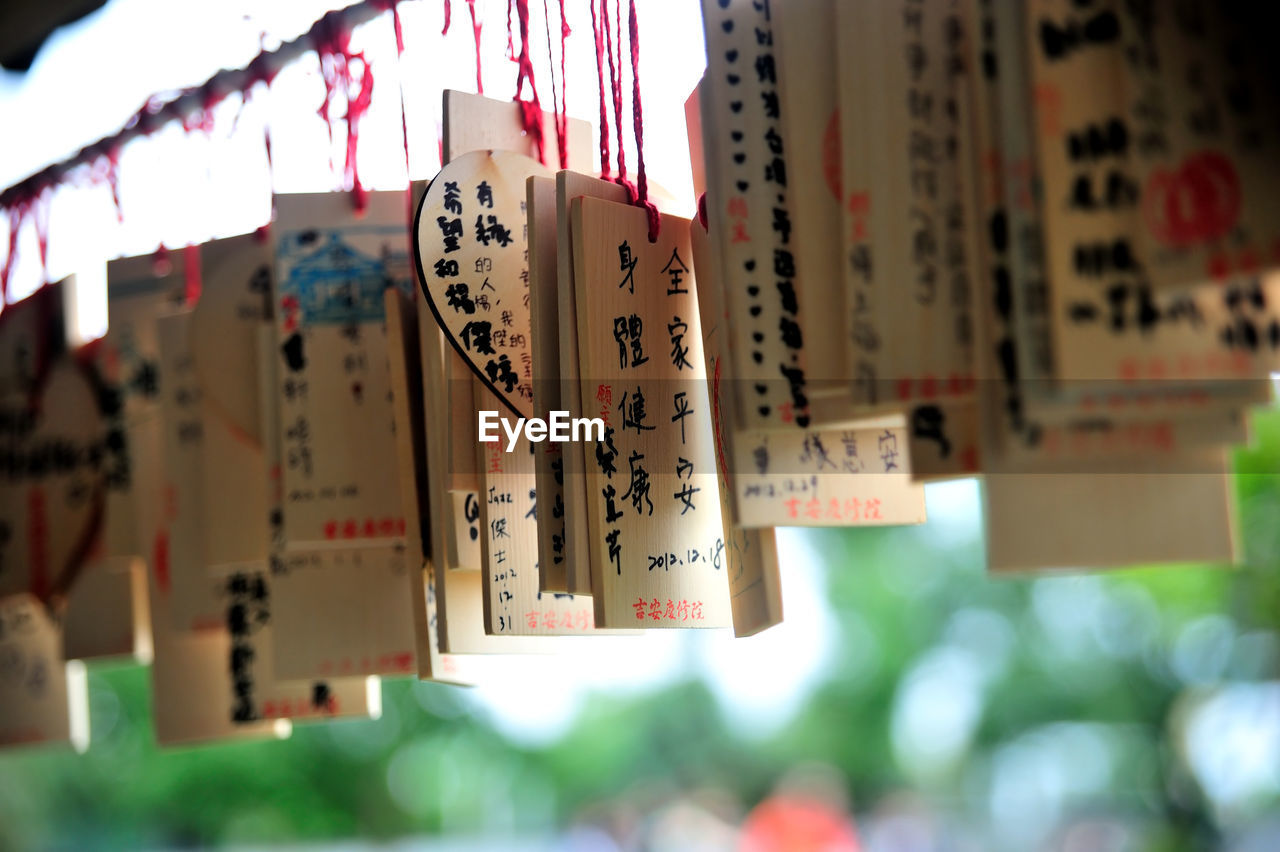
(747, 184)
(755, 587)
(333, 391)
(656, 543)
(44, 699)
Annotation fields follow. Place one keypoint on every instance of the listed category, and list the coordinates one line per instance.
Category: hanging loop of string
(637, 111)
(598, 32)
(332, 40)
(530, 109)
(637, 193)
(559, 102)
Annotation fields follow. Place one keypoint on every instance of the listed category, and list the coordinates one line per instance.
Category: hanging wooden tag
(183, 577)
(1132, 213)
(747, 182)
(236, 278)
(44, 700)
(342, 613)
(244, 593)
(52, 490)
(335, 412)
(406, 363)
(455, 595)
(1178, 512)
(475, 274)
(225, 327)
(106, 612)
(805, 41)
(509, 548)
(192, 694)
(656, 542)
(544, 310)
(476, 123)
(571, 185)
(139, 289)
(751, 556)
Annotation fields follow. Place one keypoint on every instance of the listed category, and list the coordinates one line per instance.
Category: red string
(191, 270)
(615, 86)
(113, 179)
(531, 109)
(559, 104)
(598, 32)
(642, 182)
(16, 214)
(702, 210)
(448, 17)
(333, 45)
(40, 219)
(404, 118)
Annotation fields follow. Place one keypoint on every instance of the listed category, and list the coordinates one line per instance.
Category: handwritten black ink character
(928, 422)
(888, 444)
(638, 491)
(611, 511)
(607, 454)
(498, 529)
(776, 171)
(451, 232)
(770, 102)
(292, 349)
(492, 232)
(676, 270)
(484, 194)
(679, 352)
(782, 224)
(626, 331)
(471, 513)
(477, 336)
(816, 451)
(446, 268)
(766, 71)
(451, 198)
(459, 298)
(633, 412)
(790, 331)
(682, 409)
(615, 549)
(627, 263)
